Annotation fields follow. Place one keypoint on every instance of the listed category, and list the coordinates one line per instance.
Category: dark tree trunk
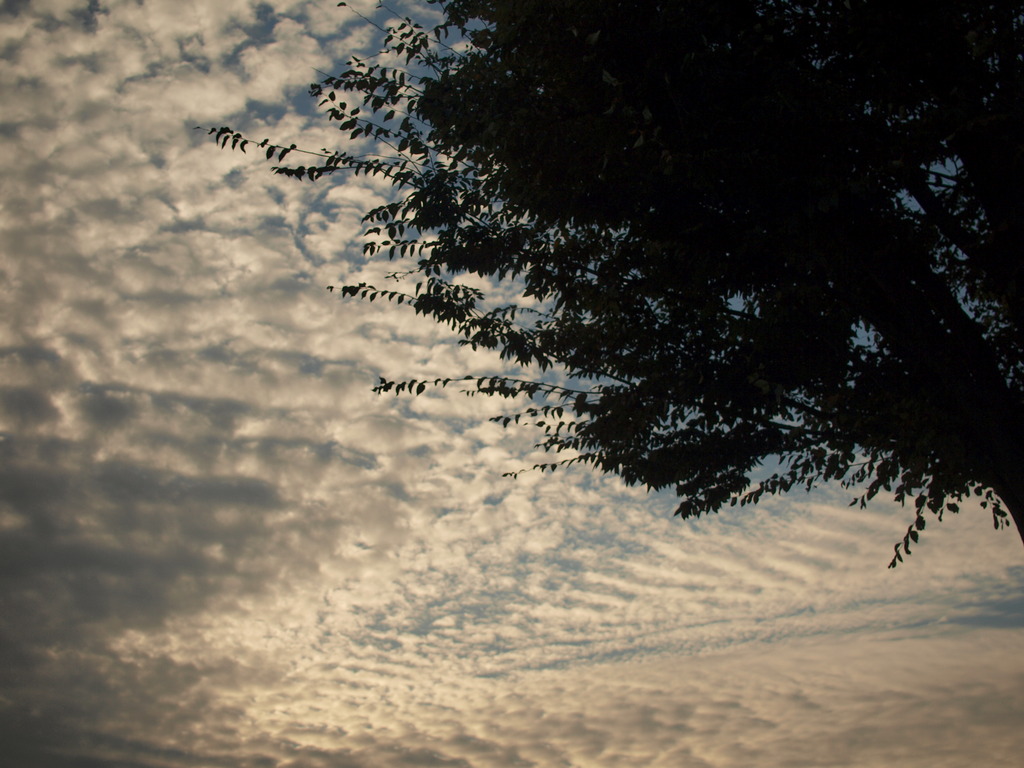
(945, 348)
(1011, 492)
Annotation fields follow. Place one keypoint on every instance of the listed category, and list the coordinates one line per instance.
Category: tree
(761, 233)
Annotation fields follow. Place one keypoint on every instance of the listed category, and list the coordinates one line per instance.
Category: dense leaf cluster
(762, 232)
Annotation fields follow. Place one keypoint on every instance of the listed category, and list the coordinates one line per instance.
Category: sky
(219, 548)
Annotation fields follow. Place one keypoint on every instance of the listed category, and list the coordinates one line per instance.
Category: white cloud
(219, 548)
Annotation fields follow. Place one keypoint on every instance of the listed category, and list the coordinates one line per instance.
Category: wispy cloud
(217, 547)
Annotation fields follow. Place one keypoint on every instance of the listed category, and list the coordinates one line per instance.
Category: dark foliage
(761, 232)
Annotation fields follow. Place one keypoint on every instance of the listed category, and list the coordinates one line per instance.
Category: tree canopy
(774, 243)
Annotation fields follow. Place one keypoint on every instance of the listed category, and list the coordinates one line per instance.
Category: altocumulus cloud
(218, 548)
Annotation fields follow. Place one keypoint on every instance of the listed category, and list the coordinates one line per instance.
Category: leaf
(725, 295)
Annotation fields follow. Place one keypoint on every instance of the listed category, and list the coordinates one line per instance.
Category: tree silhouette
(759, 232)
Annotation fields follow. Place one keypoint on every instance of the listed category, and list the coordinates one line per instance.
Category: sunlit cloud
(218, 547)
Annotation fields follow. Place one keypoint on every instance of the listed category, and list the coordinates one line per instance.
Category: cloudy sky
(219, 548)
